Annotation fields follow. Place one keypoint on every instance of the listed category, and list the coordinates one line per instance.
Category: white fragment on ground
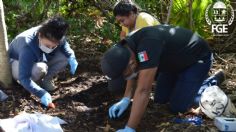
(26, 122)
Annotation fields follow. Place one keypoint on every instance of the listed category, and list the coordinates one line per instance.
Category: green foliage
(180, 16)
(152, 6)
(93, 19)
(23, 14)
(84, 18)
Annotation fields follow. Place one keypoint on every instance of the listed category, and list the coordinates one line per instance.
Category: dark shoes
(48, 85)
(219, 76)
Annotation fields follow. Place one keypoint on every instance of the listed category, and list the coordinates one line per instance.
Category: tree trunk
(169, 12)
(5, 74)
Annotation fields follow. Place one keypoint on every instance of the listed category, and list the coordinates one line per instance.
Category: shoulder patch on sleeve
(143, 56)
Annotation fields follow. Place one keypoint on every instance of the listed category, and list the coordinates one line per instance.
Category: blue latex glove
(126, 129)
(73, 65)
(195, 120)
(117, 109)
(46, 99)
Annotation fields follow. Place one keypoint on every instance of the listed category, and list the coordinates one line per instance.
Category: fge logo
(220, 16)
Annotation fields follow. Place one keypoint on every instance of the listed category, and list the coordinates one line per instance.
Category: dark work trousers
(183, 90)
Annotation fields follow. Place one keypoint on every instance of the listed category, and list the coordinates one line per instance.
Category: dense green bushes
(92, 20)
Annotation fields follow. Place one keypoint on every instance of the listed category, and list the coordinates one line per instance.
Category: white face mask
(45, 48)
(132, 76)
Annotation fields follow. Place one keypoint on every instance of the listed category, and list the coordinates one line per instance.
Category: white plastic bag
(32, 123)
(214, 103)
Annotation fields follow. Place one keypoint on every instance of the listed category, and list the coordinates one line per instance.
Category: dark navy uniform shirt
(170, 48)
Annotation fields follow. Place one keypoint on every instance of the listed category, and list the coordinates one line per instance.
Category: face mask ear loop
(45, 49)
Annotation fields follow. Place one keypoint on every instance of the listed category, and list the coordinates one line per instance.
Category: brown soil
(83, 102)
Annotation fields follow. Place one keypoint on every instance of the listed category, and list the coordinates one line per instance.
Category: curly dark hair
(54, 28)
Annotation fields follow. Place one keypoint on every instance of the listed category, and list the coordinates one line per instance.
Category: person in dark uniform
(181, 58)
